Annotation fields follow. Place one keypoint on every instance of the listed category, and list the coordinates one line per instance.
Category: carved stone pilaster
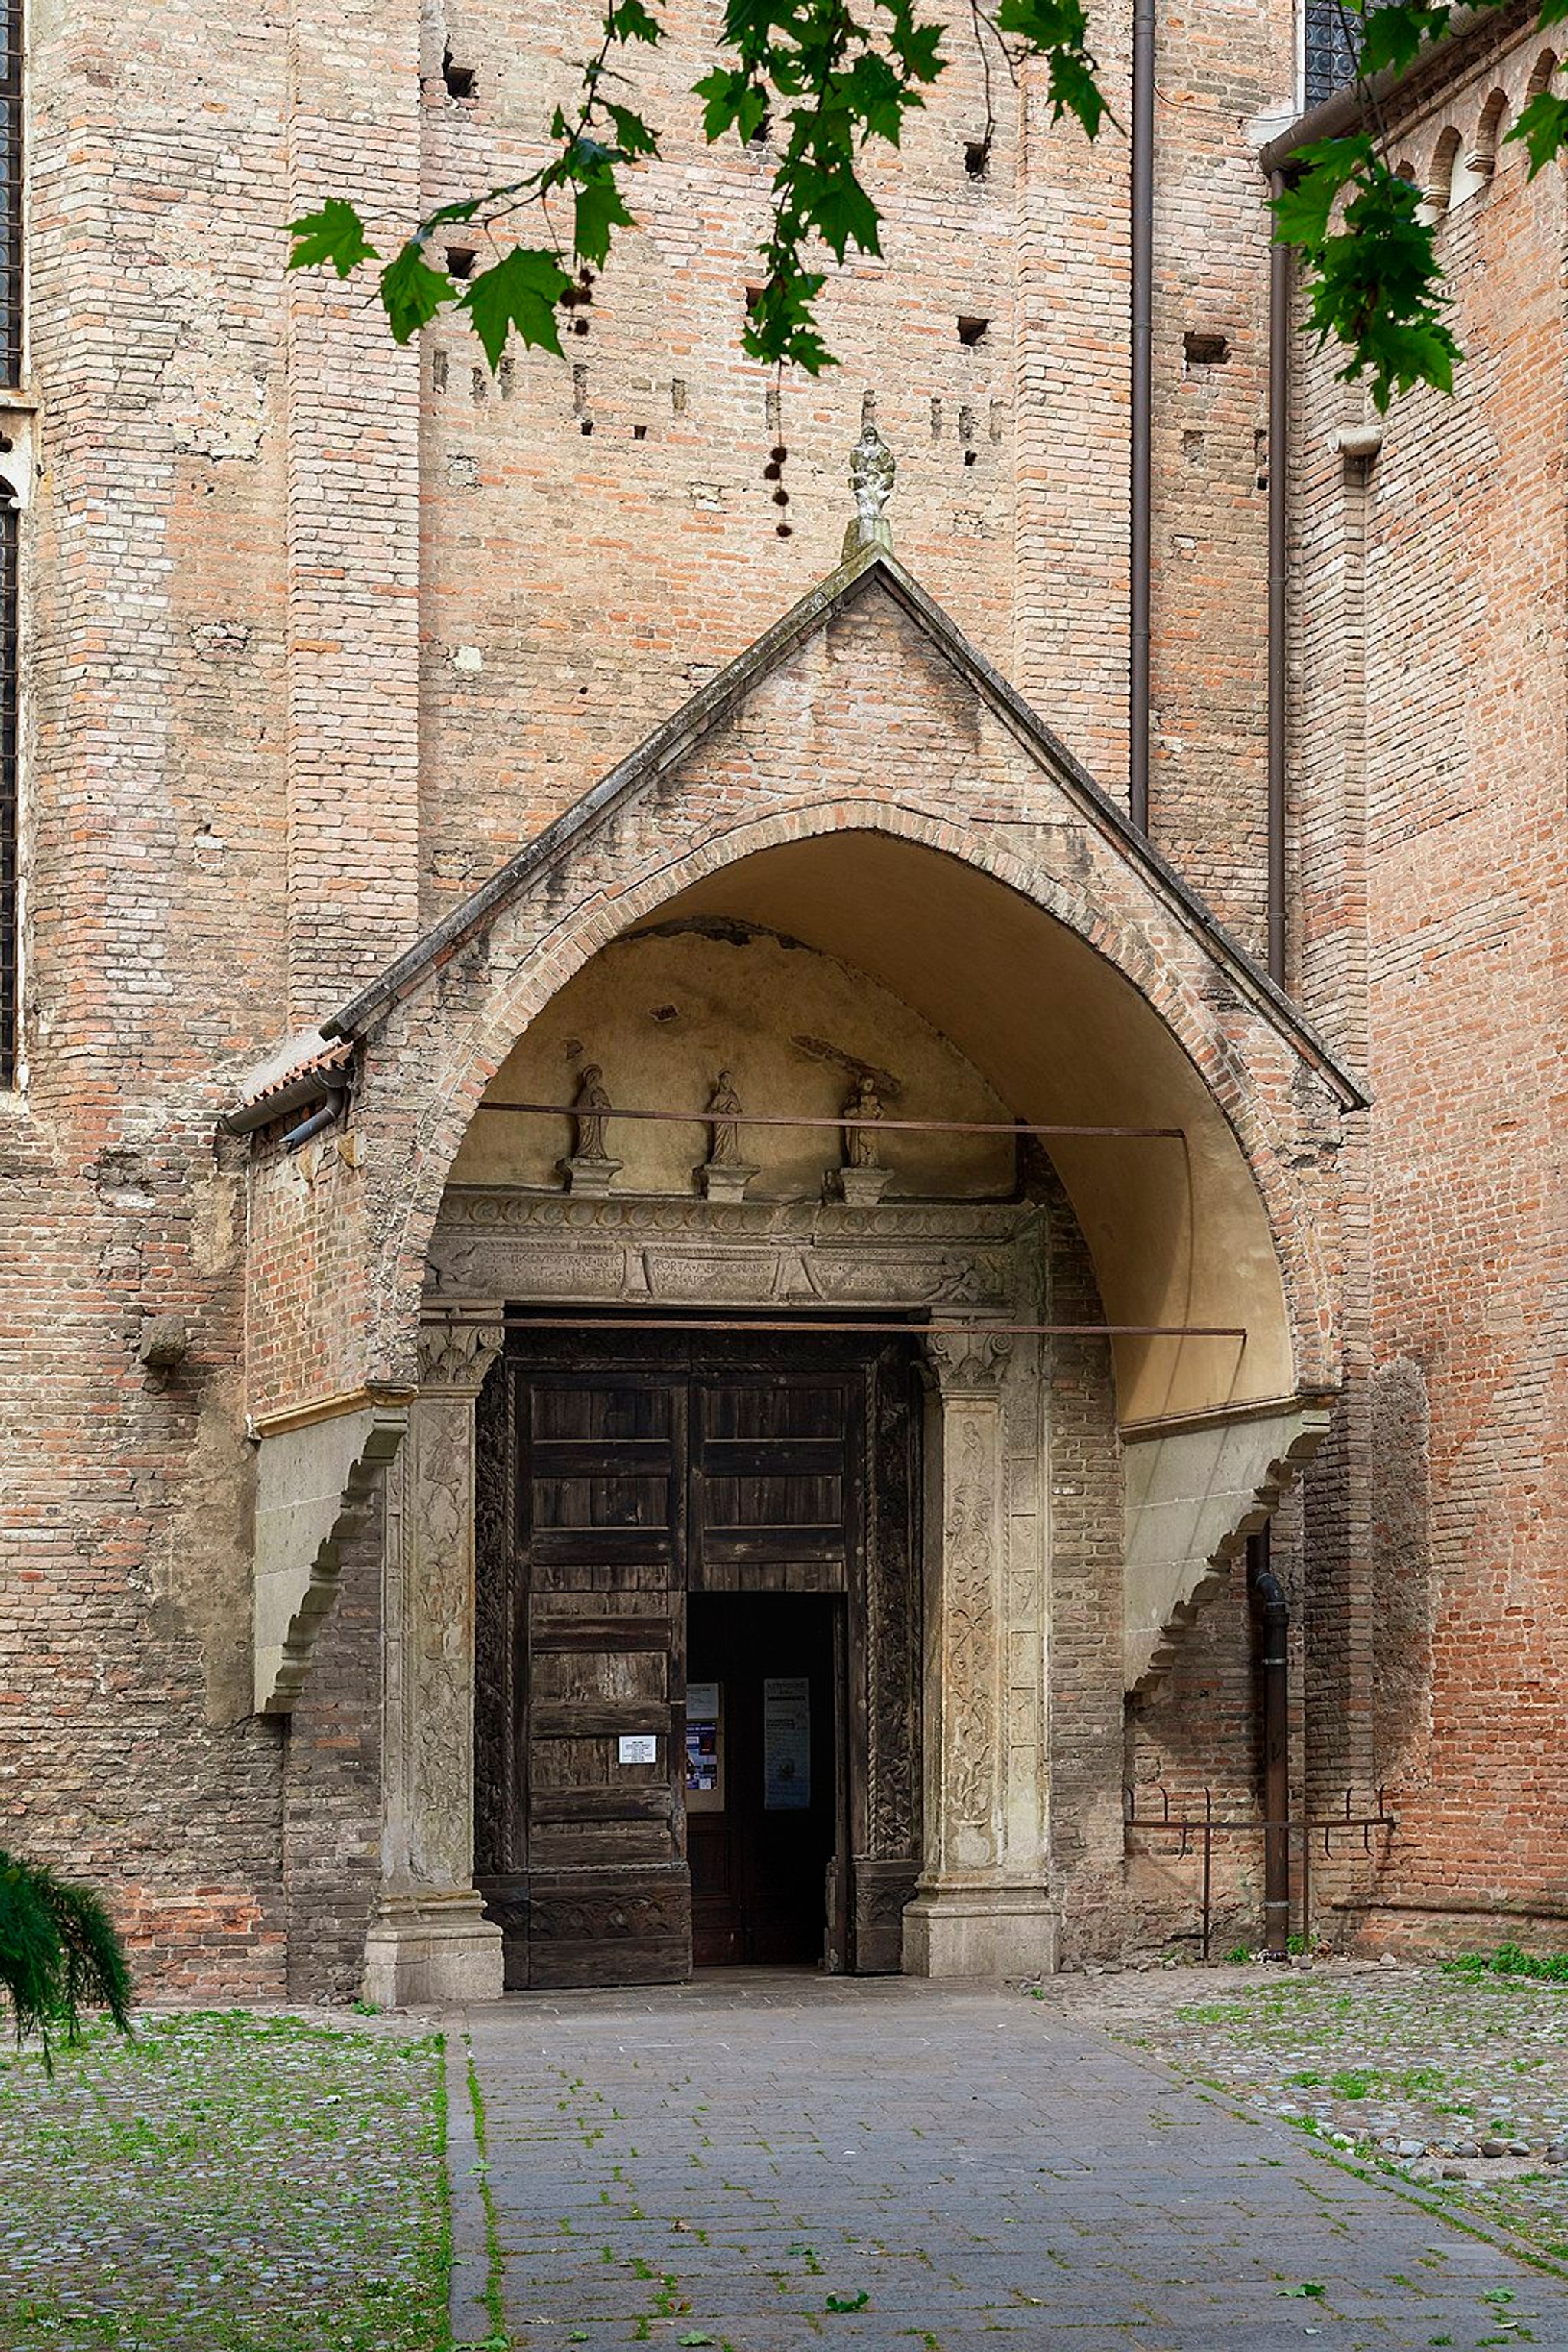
(969, 1363)
(972, 1915)
(428, 1941)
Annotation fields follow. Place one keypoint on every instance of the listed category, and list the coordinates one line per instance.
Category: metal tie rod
(806, 1325)
(781, 1118)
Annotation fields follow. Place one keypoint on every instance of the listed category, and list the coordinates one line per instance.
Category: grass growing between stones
(225, 2183)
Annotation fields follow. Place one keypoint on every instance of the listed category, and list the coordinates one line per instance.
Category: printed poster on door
(786, 1744)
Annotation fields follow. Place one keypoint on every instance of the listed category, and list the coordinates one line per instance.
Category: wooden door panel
(601, 1502)
(773, 1470)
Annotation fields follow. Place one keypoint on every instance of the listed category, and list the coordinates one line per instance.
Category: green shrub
(58, 1954)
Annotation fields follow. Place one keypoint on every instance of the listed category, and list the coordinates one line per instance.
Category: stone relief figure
(872, 468)
(859, 1144)
(590, 1167)
(724, 1175)
(862, 1176)
(724, 1110)
(593, 1107)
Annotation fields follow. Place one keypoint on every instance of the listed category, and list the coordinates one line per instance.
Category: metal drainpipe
(1142, 398)
(1278, 557)
(318, 1122)
(1273, 1660)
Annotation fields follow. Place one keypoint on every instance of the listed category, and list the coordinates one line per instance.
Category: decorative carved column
(981, 1905)
(428, 1941)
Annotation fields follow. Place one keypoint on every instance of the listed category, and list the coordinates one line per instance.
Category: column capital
(454, 1357)
(969, 1363)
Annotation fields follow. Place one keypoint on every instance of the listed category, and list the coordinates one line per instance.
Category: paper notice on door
(786, 1744)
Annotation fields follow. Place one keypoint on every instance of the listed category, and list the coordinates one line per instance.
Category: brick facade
(320, 634)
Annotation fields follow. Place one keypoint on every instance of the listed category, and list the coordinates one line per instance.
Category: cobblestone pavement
(1454, 2078)
(760, 2163)
(236, 2182)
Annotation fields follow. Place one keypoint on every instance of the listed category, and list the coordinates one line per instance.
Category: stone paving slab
(710, 2163)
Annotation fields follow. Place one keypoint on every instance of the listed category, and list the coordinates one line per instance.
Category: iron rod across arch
(789, 1118)
(806, 1323)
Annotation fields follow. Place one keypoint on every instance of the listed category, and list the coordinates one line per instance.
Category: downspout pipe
(1280, 292)
(318, 1122)
(1273, 1619)
(1140, 499)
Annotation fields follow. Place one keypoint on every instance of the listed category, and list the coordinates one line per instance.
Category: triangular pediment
(753, 690)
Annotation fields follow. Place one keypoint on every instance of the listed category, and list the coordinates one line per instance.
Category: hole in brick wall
(1202, 350)
(438, 370)
(753, 297)
(677, 395)
(1193, 449)
(1260, 458)
(639, 432)
(969, 456)
(973, 331)
(762, 133)
(506, 375)
(459, 80)
(460, 260)
(976, 157)
(936, 420)
(586, 425)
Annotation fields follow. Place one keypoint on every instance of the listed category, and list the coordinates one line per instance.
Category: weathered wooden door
(598, 1628)
(614, 1478)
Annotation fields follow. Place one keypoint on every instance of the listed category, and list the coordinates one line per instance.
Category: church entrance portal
(697, 1651)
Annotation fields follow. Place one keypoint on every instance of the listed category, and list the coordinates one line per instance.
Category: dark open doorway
(765, 1809)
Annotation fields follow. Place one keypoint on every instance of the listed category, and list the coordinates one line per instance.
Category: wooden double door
(659, 1510)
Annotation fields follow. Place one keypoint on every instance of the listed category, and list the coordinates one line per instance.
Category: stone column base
(959, 1930)
(432, 1951)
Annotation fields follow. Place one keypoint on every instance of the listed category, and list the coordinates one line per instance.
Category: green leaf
(694, 2335)
(731, 96)
(518, 292)
(1396, 35)
(333, 237)
(1075, 91)
(843, 214)
(1308, 2288)
(412, 292)
(599, 209)
(1302, 212)
(848, 2302)
(632, 136)
(1543, 126)
(630, 21)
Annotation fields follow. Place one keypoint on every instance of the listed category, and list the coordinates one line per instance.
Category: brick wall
(1429, 732)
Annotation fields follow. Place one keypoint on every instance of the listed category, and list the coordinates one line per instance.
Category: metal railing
(1195, 1832)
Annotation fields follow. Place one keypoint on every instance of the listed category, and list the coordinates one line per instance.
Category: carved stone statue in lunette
(724, 1175)
(590, 1167)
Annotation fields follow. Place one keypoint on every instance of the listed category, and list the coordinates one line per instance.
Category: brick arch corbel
(448, 1066)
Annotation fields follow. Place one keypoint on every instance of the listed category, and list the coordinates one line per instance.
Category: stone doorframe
(982, 1905)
